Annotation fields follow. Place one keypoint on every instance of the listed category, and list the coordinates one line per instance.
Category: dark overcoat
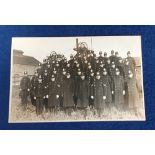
(68, 93)
(83, 93)
(126, 71)
(132, 95)
(45, 85)
(107, 85)
(112, 58)
(99, 93)
(39, 98)
(34, 84)
(91, 89)
(112, 72)
(118, 91)
(132, 63)
(52, 101)
(25, 84)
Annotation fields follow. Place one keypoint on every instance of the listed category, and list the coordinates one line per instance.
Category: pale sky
(40, 47)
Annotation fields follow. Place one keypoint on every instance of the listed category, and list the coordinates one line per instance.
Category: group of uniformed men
(85, 81)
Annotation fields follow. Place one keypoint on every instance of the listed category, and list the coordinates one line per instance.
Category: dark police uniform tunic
(83, 93)
(34, 83)
(107, 84)
(45, 90)
(76, 88)
(118, 91)
(112, 72)
(52, 95)
(112, 58)
(100, 58)
(91, 90)
(132, 64)
(99, 93)
(39, 98)
(68, 93)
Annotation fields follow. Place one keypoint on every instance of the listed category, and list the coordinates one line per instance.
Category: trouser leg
(46, 104)
(41, 106)
(37, 106)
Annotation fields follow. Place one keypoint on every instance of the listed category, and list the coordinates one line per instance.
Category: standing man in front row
(34, 83)
(118, 90)
(25, 85)
(39, 96)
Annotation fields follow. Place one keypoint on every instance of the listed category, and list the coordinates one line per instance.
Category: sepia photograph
(83, 78)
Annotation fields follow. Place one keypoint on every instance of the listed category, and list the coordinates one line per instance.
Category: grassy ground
(19, 115)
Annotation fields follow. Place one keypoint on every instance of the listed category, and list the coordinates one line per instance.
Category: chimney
(17, 52)
(77, 44)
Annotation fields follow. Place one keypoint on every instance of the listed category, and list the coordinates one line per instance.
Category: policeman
(54, 71)
(68, 102)
(97, 64)
(100, 69)
(71, 65)
(76, 87)
(105, 58)
(53, 62)
(91, 89)
(68, 68)
(57, 66)
(40, 70)
(133, 97)
(100, 58)
(100, 95)
(38, 96)
(45, 90)
(127, 67)
(107, 85)
(49, 69)
(132, 62)
(44, 64)
(118, 90)
(88, 69)
(34, 83)
(85, 65)
(108, 66)
(112, 69)
(59, 95)
(120, 66)
(52, 94)
(25, 86)
(117, 58)
(83, 92)
(112, 57)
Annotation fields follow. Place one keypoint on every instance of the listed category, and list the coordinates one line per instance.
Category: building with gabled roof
(22, 63)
